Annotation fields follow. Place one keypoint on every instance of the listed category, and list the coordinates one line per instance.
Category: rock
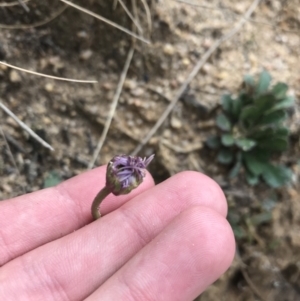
(3, 67)
(137, 92)
(186, 61)
(7, 188)
(169, 49)
(82, 34)
(107, 86)
(56, 63)
(49, 87)
(176, 123)
(14, 76)
(130, 84)
(86, 54)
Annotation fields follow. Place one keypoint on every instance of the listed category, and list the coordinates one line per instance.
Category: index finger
(32, 220)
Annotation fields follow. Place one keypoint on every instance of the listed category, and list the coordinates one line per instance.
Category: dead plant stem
(25, 127)
(113, 108)
(49, 76)
(88, 12)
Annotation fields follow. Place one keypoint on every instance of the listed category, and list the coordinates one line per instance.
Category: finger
(92, 254)
(179, 264)
(34, 219)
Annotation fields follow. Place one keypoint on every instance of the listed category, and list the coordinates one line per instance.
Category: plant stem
(102, 194)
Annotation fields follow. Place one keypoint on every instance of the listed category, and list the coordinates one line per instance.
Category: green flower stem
(102, 194)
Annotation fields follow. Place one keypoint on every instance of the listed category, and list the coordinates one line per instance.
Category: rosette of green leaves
(252, 130)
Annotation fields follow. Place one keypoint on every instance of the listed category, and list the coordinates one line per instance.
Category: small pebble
(169, 49)
(49, 87)
(130, 84)
(14, 76)
(86, 54)
(82, 34)
(176, 123)
(186, 61)
(137, 92)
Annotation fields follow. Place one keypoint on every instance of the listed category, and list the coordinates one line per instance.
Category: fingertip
(195, 185)
(220, 243)
(212, 241)
(191, 252)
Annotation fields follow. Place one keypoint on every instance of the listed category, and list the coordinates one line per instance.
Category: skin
(164, 242)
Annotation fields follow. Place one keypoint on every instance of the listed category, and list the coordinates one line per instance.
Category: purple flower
(125, 173)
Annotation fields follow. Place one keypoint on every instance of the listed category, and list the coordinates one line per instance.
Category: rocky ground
(64, 42)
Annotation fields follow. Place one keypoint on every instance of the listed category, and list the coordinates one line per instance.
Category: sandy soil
(71, 116)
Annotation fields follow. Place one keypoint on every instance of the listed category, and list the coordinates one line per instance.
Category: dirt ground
(71, 116)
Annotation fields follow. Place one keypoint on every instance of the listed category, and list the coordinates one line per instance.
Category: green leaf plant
(251, 131)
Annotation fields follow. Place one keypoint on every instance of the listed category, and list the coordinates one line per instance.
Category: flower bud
(125, 173)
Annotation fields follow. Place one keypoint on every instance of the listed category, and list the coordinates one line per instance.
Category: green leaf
(213, 142)
(237, 166)
(245, 144)
(263, 82)
(225, 156)
(254, 164)
(227, 139)
(249, 113)
(286, 103)
(274, 117)
(249, 80)
(236, 108)
(265, 102)
(233, 217)
(274, 144)
(52, 179)
(277, 176)
(279, 90)
(266, 133)
(239, 232)
(282, 132)
(246, 98)
(226, 101)
(223, 122)
(252, 179)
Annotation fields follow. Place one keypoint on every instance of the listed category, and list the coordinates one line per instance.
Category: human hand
(164, 242)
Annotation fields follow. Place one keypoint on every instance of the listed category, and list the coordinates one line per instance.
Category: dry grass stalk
(86, 11)
(25, 127)
(113, 108)
(13, 3)
(49, 76)
(37, 24)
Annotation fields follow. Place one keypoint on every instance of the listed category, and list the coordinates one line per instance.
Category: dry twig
(25, 127)
(136, 23)
(194, 72)
(148, 15)
(113, 108)
(37, 24)
(23, 4)
(49, 76)
(115, 3)
(106, 21)
(12, 3)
